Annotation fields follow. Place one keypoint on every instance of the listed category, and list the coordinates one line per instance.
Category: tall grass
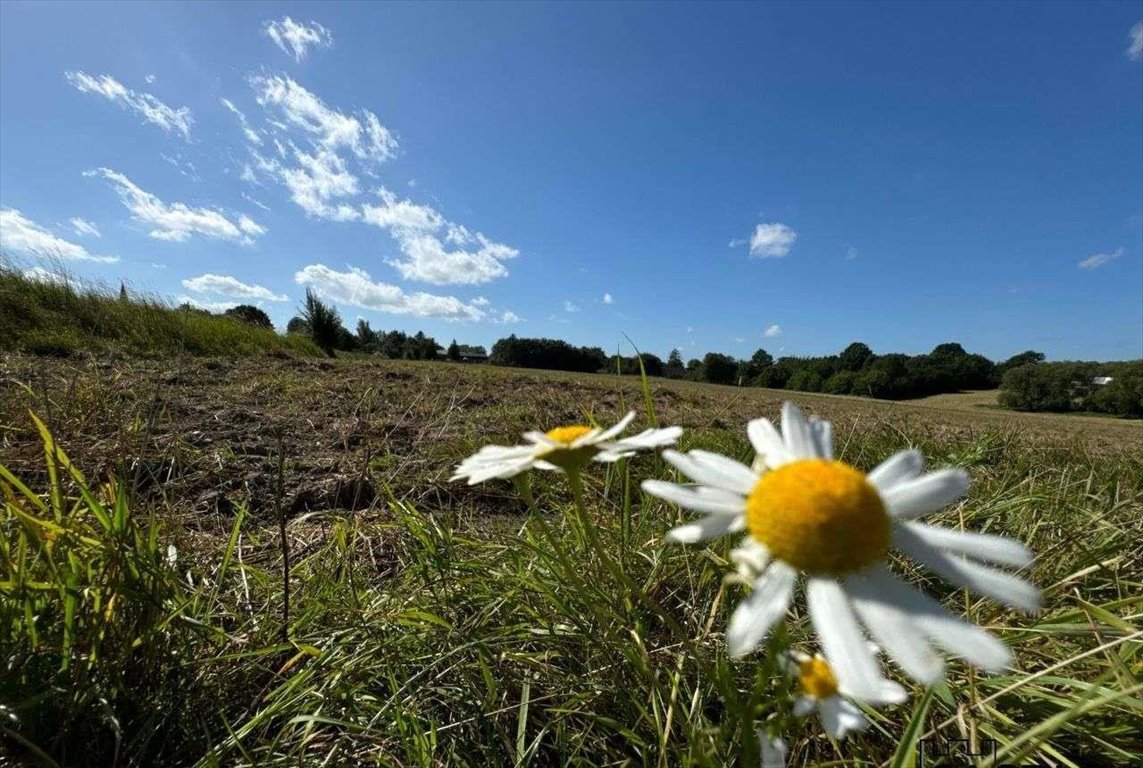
(62, 317)
(417, 639)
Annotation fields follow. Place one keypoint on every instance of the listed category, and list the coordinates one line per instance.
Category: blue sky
(711, 177)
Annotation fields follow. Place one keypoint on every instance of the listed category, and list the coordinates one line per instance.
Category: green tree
(453, 351)
(718, 368)
(366, 336)
(247, 313)
(1024, 358)
(298, 325)
(855, 357)
(324, 322)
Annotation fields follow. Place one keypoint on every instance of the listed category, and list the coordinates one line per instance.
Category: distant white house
(1101, 381)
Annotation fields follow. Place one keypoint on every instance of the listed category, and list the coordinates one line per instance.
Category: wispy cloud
(436, 250)
(851, 253)
(772, 241)
(231, 287)
(357, 289)
(255, 202)
(84, 227)
(571, 306)
(250, 134)
(296, 38)
(1135, 49)
(150, 108)
(177, 221)
(363, 134)
(773, 331)
(1097, 260)
(20, 235)
(508, 317)
(607, 299)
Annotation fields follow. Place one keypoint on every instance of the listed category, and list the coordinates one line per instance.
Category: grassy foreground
(152, 516)
(63, 317)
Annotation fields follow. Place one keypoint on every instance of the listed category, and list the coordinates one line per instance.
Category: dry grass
(429, 622)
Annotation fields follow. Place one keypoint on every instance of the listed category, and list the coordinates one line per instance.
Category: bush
(63, 342)
(251, 315)
(324, 322)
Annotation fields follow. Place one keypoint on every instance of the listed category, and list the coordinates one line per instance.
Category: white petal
(1004, 587)
(648, 438)
(894, 629)
(804, 705)
(709, 527)
(589, 438)
(540, 438)
(844, 645)
(839, 717)
(822, 432)
(751, 554)
(850, 716)
(946, 630)
(901, 466)
(754, 616)
(796, 433)
(925, 494)
(700, 498)
(714, 470)
(611, 432)
(773, 751)
(982, 546)
(768, 443)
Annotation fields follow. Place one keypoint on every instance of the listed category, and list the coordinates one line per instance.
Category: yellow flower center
(815, 678)
(568, 435)
(819, 516)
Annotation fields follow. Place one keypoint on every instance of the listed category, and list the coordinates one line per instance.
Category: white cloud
(1099, 259)
(232, 287)
(296, 38)
(480, 301)
(772, 241)
(151, 109)
(364, 135)
(435, 249)
(41, 275)
(177, 221)
(250, 134)
(21, 235)
(851, 253)
(150, 79)
(773, 331)
(357, 289)
(316, 182)
(84, 227)
(1135, 50)
(509, 317)
(184, 166)
(158, 266)
(607, 299)
(570, 307)
(255, 202)
(209, 306)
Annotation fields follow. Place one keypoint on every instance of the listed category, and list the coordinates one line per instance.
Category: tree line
(1027, 383)
(1114, 388)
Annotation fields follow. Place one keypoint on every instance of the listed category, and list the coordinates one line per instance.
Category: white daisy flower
(821, 692)
(563, 449)
(806, 513)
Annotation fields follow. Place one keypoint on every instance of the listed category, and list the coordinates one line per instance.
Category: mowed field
(429, 622)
